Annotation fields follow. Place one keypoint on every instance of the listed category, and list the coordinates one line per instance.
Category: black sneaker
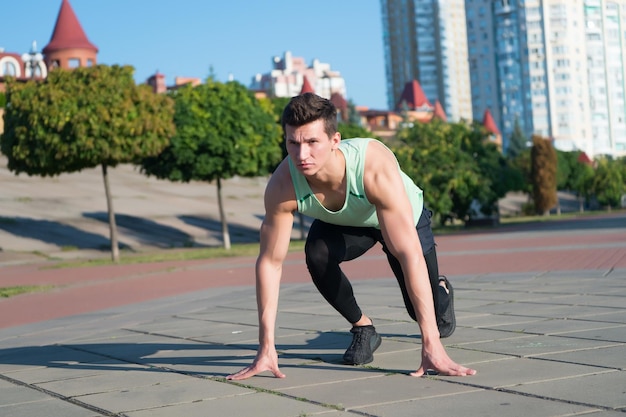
(446, 320)
(365, 341)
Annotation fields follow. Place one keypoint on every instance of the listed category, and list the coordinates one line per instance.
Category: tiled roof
(306, 87)
(583, 158)
(68, 33)
(439, 112)
(339, 101)
(489, 123)
(413, 96)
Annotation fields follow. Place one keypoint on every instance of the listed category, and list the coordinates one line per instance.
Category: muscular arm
(275, 235)
(384, 188)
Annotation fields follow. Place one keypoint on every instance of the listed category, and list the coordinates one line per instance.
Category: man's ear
(335, 139)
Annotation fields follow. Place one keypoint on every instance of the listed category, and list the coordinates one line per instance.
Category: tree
(517, 141)
(608, 183)
(564, 164)
(83, 118)
(222, 130)
(543, 173)
(455, 165)
(582, 183)
(350, 130)
(3, 100)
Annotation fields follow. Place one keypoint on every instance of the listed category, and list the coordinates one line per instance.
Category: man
(358, 195)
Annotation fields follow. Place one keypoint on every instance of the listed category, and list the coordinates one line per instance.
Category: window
(8, 69)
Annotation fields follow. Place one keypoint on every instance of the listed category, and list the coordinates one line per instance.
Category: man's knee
(316, 253)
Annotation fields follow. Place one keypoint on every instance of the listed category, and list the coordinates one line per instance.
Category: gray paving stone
(558, 326)
(369, 392)
(313, 373)
(610, 357)
(11, 394)
(27, 357)
(555, 311)
(476, 404)
(108, 380)
(608, 334)
(604, 389)
(188, 390)
(523, 371)
(258, 405)
(464, 335)
(63, 372)
(598, 300)
(224, 366)
(492, 321)
(48, 407)
(535, 345)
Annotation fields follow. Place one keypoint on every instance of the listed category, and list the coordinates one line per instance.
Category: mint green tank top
(357, 210)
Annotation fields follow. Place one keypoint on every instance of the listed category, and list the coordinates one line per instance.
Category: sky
(238, 38)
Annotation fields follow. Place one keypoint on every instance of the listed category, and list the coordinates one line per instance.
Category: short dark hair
(307, 108)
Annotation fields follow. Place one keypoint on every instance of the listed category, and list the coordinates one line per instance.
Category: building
(22, 67)
(426, 40)
(68, 48)
(158, 84)
(288, 74)
(557, 67)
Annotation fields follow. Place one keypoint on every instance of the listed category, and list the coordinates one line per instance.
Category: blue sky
(238, 37)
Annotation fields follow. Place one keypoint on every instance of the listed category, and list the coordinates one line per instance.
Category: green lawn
(6, 292)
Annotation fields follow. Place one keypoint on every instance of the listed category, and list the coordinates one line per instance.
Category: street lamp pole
(32, 60)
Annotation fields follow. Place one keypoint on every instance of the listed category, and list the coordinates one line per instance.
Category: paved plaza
(541, 313)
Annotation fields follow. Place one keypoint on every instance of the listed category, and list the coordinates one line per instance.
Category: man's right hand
(266, 360)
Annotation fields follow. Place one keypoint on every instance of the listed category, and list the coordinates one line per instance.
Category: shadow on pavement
(145, 231)
(55, 233)
(196, 358)
(238, 233)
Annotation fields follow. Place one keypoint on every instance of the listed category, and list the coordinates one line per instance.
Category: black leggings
(328, 245)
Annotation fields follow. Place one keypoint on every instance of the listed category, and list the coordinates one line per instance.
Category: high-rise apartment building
(425, 40)
(556, 67)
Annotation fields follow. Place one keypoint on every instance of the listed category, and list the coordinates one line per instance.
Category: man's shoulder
(280, 188)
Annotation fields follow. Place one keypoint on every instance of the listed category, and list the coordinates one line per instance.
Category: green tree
(455, 165)
(3, 100)
(350, 130)
(564, 163)
(81, 119)
(221, 131)
(609, 183)
(517, 141)
(543, 173)
(582, 183)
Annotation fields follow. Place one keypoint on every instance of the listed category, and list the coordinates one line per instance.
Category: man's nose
(303, 152)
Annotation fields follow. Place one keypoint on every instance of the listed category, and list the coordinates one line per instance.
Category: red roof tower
(489, 123)
(413, 96)
(69, 46)
(439, 112)
(306, 87)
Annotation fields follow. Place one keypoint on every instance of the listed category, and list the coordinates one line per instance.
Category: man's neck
(332, 177)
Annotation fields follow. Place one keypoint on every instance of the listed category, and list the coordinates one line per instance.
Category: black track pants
(328, 245)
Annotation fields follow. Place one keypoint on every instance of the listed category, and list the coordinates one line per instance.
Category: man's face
(309, 147)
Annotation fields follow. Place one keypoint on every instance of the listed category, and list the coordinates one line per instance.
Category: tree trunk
(115, 251)
(225, 234)
(581, 206)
